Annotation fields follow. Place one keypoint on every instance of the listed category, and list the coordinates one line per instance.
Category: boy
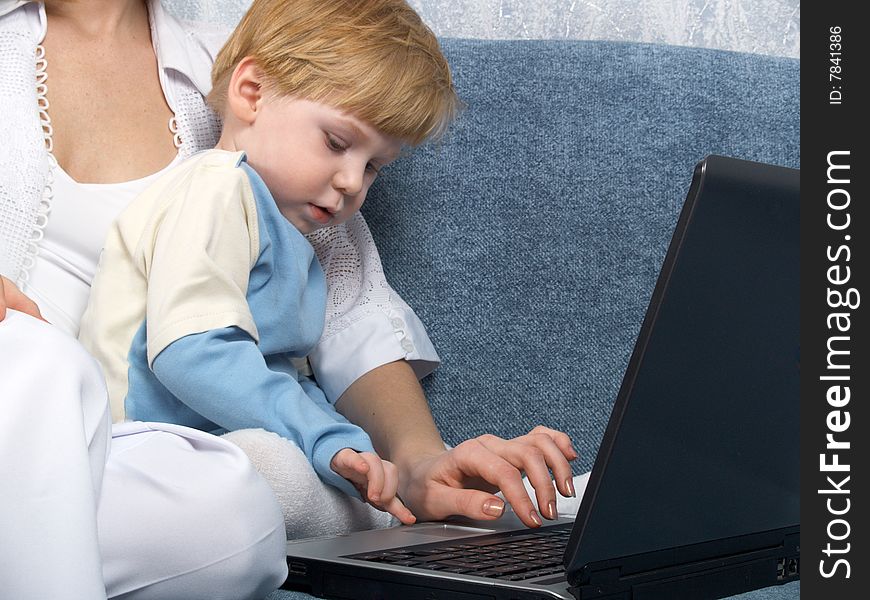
(207, 289)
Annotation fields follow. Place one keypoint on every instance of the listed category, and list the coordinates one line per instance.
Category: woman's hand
(461, 481)
(11, 297)
(376, 481)
(388, 403)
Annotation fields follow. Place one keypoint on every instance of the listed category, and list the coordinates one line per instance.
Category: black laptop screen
(703, 440)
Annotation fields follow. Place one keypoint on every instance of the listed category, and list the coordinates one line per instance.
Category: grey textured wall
(761, 26)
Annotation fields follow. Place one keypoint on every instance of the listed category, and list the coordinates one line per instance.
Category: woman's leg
(180, 513)
(54, 435)
(183, 514)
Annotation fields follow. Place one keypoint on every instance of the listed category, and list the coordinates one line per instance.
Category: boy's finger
(391, 481)
(350, 465)
(360, 465)
(396, 508)
(375, 476)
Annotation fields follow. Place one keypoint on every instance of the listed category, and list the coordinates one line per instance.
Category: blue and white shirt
(203, 297)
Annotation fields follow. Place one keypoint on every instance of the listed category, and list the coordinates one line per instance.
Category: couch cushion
(529, 239)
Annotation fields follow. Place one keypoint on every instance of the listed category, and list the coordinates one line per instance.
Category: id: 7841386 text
(835, 68)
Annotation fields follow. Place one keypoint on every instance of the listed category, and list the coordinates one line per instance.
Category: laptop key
(508, 569)
(458, 563)
(406, 563)
(486, 573)
(437, 557)
(458, 570)
(370, 557)
(428, 552)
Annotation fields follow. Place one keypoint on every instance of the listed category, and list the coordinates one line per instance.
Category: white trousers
(135, 510)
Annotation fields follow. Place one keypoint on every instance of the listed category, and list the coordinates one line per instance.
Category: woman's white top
(64, 266)
(367, 323)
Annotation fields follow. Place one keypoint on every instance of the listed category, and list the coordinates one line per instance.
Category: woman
(101, 96)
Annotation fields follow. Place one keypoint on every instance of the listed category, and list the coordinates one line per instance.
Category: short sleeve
(198, 258)
(367, 322)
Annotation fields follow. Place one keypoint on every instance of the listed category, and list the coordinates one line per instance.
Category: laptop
(694, 490)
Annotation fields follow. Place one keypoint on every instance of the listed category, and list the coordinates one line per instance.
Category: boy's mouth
(321, 215)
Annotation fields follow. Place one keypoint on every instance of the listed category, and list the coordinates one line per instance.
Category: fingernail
(551, 509)
(569, 483)
(534, 517)
(494, 508)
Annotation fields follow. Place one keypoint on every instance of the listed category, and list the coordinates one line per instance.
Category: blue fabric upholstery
(529, 239)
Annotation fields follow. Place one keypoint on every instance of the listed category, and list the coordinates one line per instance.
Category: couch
(529, 239)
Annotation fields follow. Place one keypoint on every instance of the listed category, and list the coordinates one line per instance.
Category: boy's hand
(376, 481)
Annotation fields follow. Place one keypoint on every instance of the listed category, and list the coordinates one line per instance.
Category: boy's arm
(222, 375)
(201, 336)
(435, 483)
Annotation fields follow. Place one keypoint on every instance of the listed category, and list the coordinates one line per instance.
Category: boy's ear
(245, 90)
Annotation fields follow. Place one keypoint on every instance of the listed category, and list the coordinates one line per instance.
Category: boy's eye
(372, 169)
(334, 143)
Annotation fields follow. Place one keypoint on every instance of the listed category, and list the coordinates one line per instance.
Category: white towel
(311, 508)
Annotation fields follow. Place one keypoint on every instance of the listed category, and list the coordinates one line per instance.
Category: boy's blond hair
(374, 59)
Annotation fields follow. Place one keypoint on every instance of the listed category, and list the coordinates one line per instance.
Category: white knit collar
(175, 48)
(7, 6)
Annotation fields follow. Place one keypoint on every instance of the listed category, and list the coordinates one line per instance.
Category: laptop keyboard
(510, 556)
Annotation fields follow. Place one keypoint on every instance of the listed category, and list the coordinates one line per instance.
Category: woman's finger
(531, 459)
(556, 460)
(560, 438)
(558, 450)
(443, 501)
(474, 459)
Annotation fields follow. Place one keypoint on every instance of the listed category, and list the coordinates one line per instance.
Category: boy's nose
(349, 181)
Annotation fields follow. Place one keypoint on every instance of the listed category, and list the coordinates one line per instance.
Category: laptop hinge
(718, 576)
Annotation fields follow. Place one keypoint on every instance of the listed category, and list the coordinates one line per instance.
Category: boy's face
(317, 161)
